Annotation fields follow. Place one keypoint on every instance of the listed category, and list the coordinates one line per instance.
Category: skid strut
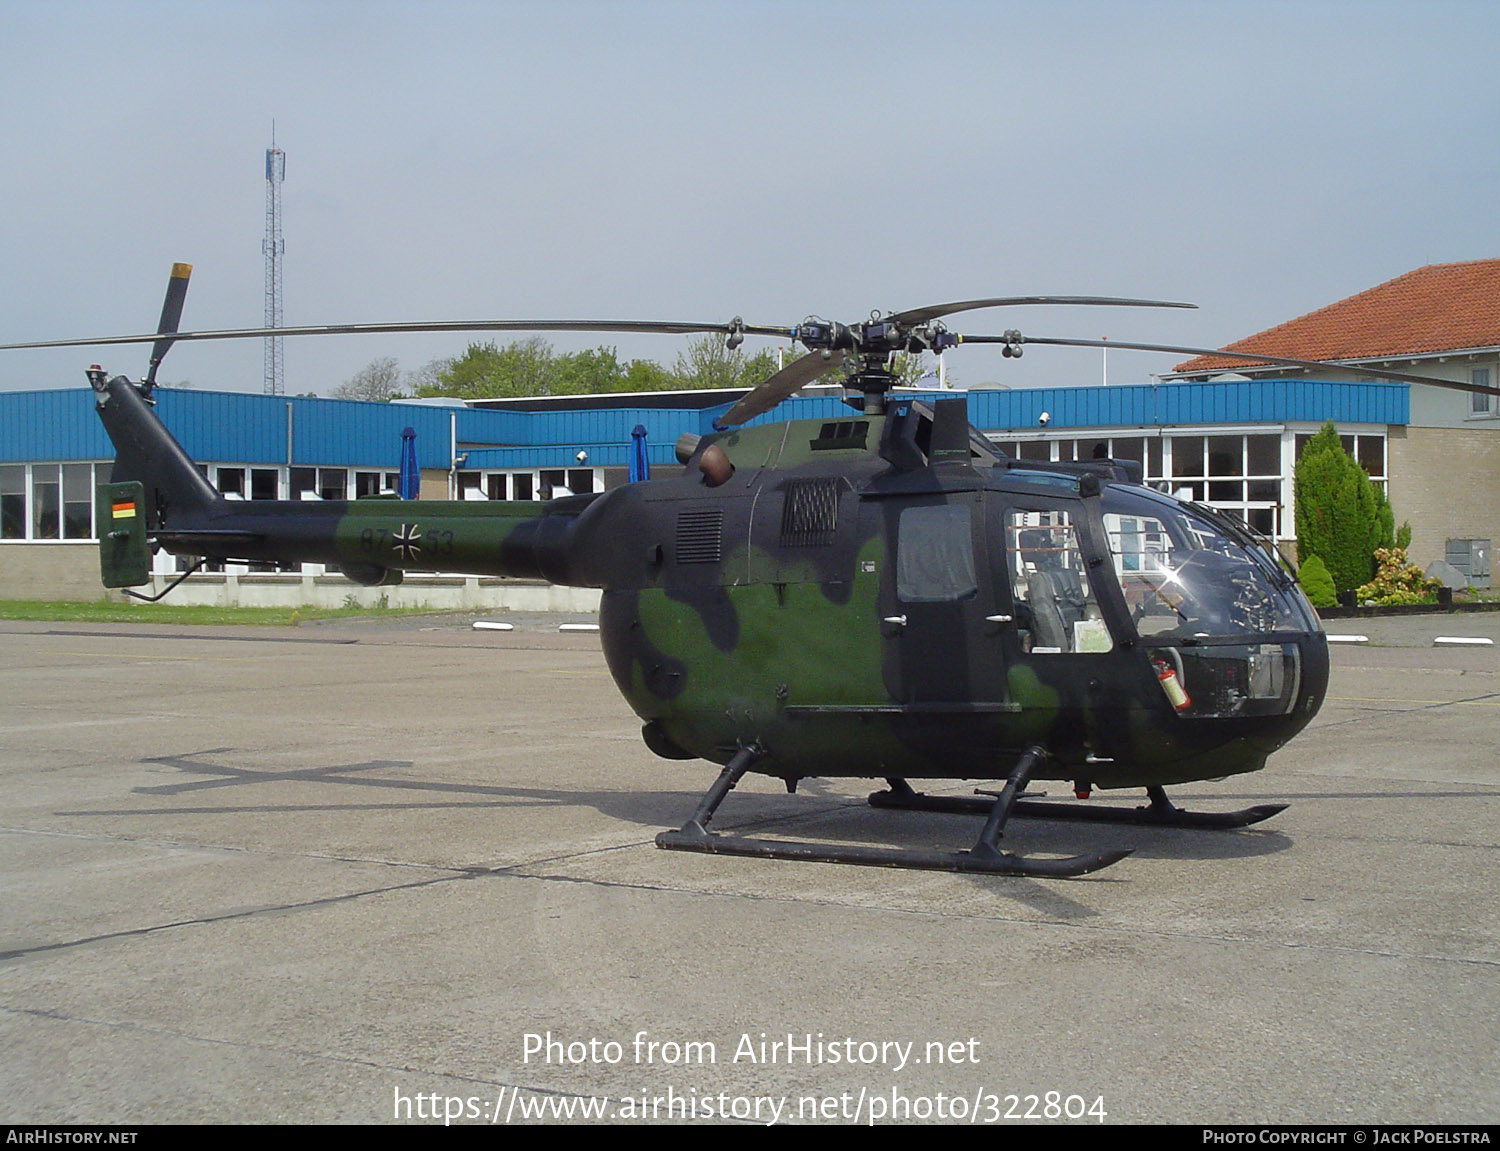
(985, 857)
(1160, 812)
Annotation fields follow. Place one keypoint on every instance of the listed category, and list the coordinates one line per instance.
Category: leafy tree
(586, 373)
(425, 378)
(1338, 517)
(759, 368)
(520, 368)
(646, 376)
(377, 381)
(707, 363)
(917, 370)
(532, 368)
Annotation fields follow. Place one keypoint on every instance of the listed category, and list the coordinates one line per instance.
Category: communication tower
(274, 248)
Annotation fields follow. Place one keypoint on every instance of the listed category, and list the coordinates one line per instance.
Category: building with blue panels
(1223, 430)
(1231, 443)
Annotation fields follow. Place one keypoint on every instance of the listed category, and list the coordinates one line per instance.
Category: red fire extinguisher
(1166, 675)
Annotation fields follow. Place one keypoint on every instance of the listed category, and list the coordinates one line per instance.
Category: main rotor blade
(933, 311)
(171, 314)
(798, 374)
(1278, 361)
(624, 326)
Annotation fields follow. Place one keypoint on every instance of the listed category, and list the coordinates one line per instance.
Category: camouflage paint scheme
(764, 610)
(785, 648)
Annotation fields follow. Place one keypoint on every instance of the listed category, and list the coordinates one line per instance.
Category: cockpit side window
(1146, 555)
(1057, 610)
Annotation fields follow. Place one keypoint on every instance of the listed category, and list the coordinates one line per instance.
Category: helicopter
(883, 596)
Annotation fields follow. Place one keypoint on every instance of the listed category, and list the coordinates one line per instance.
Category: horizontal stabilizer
(207, 542)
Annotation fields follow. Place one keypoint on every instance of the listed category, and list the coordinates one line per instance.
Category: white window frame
(1481, 404)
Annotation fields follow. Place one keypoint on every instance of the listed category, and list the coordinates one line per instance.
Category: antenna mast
(274, 248)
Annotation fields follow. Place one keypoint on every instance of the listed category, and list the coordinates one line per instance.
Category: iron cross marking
(405, 541)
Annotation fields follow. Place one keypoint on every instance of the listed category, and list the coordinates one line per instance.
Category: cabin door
(936, 596)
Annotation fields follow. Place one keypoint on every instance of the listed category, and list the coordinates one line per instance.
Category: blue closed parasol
(639, 468)
(409, 482)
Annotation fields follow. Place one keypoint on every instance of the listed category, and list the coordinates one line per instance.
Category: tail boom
(372, 541)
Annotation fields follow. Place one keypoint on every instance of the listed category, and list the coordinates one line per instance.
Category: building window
(1239, 474)
(46, 502)
(1034, 450)
(264, 483)
(12, 501)
(1367, 449)
(1480, 403)
(530, 485)
(78, 501)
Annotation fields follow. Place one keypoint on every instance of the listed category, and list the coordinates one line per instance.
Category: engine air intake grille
(700, 536)
(811, 513)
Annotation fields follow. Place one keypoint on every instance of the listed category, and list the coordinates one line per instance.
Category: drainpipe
(452, 456)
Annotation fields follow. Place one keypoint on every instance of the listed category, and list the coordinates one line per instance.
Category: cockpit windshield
(1190, 573)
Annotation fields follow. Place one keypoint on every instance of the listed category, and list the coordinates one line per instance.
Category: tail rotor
(171, 315)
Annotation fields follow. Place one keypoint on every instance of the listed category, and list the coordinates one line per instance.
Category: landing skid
(1160, 812)
(985, 857)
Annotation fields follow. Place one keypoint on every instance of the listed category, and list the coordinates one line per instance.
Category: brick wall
(1446, 481)
(49, 571)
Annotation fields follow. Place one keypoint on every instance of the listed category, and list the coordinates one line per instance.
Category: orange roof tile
(1438, 308)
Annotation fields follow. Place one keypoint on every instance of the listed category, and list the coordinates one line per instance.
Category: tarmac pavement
(378, 871)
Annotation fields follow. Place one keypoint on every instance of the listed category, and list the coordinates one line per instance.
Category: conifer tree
(1338, 511)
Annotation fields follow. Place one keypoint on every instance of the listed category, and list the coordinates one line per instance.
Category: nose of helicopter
(1314, 675)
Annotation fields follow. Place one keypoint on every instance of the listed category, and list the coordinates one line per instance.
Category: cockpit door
(1056, 580)
(936, 594)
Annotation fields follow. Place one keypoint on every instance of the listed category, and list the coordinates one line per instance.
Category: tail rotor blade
(171, 315)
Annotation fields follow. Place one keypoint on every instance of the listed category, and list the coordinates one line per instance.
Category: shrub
(1384, 534)
(1397, 581)
(1317, 583)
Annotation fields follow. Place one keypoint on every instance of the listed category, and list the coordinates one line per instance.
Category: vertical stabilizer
(124, 554)
(175, 494)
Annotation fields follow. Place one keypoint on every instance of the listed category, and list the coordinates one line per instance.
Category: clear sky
(694, 161)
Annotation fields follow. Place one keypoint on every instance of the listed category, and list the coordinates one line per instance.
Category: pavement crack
(230, 916)
(1367, 712)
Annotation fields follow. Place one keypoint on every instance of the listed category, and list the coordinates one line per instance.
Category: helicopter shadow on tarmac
(837, 815)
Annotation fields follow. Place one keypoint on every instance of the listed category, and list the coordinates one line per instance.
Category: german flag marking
(123, 511)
